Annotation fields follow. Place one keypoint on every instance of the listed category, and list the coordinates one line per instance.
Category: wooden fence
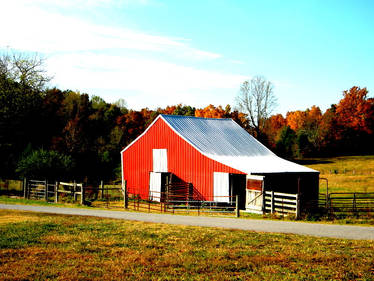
(73, 189)
(282, 203)
(184, 199)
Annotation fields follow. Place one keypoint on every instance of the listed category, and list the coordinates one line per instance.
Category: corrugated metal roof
(226, 142)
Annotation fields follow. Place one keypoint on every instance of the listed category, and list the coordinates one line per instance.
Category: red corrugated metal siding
(183, 160)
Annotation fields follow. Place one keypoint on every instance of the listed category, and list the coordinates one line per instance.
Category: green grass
(40, 247)
(345, 174)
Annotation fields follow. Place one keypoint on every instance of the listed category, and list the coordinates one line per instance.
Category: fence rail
(283, 203)
(178, 202)
(184, 199)
(350, 202)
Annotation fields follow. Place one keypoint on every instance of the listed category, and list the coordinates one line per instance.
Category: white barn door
(254, 196)
(160, 160)
(221, 187)
(155, 186)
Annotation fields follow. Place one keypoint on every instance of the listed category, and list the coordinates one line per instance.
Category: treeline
(56, 134)
(346, 128)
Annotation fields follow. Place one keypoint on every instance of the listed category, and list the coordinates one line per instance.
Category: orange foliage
(296, 119)
(210, 112)
(314, 114)
(276, 122)
(355, 110)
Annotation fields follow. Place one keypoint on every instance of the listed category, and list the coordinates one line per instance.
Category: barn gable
(184, 161)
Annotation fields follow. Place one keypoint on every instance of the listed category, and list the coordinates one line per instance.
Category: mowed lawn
(41, 246)
(345, 174)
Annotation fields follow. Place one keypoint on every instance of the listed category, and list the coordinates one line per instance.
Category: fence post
(126, 196)
(297, 206)
(237, 212)
(82, 194)
(56, 192)
(46, 191)
(102, 189)
(272, 201)
(25, 188)
(74, 191)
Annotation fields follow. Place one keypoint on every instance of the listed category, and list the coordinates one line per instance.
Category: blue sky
(155, 53)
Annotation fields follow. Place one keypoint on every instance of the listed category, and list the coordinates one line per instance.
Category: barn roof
(225, 141)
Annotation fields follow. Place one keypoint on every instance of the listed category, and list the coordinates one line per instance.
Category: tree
(257, 100)
(356, 110)
(285, 146)
(27, 70)
(45, 164)
(210, 112)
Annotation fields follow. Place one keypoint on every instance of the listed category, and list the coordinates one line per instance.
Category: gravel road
(312, 229)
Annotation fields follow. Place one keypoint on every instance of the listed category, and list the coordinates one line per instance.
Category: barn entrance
(237, 187)
(254, 194)
(227, 186)
(158, 185)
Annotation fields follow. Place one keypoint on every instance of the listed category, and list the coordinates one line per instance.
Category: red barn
(216, 156)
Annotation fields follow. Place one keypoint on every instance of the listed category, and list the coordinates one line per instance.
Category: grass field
(40, 246)
(345, 174)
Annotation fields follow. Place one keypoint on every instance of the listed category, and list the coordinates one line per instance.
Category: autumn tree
(355, 121)
(210, 112)
(356, 110)
(257, 100)
(273, 126)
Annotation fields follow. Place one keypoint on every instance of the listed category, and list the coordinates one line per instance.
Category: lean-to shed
(216, 156)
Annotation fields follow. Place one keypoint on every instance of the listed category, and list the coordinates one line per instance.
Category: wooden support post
(25, 188)
(102, 189)
(297, 206)
(74, 191)
(272, 202)
(82, 194)
(56, 192)
(46, 190)
(126, 196)
(237, 211)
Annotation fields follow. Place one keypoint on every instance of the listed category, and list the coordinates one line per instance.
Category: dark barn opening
(237, 184)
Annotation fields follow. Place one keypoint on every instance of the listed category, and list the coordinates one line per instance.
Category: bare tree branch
(257, 100)
(27, 70)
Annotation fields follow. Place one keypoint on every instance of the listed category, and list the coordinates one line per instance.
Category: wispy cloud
(159, 80)
(42, 31)
(145, 69)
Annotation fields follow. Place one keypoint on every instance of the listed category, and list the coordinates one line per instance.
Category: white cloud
(34, 29)
(115, 62)
(154, 82)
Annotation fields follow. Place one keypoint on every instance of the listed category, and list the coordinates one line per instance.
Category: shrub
(45, 164)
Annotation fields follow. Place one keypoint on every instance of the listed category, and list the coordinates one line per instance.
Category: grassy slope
(40, 246)
(346, 174)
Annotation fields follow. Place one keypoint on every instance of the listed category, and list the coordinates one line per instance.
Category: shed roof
(225, 141)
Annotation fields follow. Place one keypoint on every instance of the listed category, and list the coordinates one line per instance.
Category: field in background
(345, 174)
(41, 246)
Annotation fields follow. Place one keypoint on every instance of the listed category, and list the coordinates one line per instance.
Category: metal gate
(39, 189)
